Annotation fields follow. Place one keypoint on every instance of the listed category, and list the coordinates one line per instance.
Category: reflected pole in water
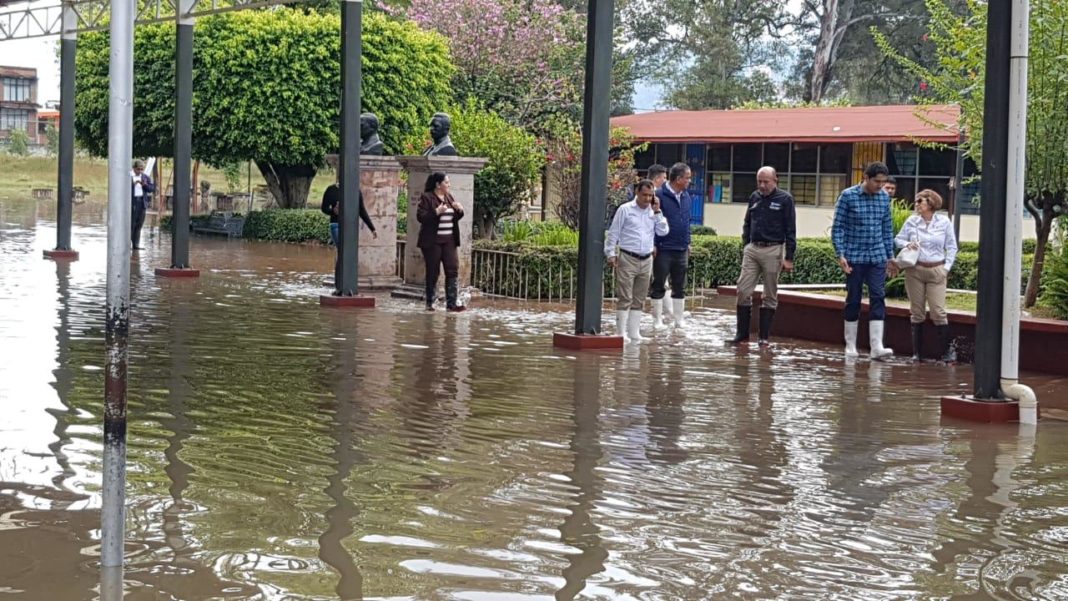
(65, 202)
(63, 382)
(117, 309)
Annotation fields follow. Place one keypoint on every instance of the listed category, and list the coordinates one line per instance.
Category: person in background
(673, 249)
(439, 215)
(331, 205)
(890, 187)
(141, 189)
(863, 238)
(931, 233)
(629, 247)
(769, 236)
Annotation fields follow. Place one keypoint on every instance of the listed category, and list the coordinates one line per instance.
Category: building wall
(24, 105)
(815, 222)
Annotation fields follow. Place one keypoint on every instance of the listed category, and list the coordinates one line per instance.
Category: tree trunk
(821, 60)
(289, 184)
(1043, 225)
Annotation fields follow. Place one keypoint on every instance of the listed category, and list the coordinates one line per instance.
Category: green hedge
(288, 225)
(551, 272)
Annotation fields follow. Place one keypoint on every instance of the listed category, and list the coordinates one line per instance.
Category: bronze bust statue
(439, 132)
(370, 143)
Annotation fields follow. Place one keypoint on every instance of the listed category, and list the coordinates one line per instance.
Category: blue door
(695, 158)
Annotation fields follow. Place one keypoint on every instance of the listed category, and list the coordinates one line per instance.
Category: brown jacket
(428, 217)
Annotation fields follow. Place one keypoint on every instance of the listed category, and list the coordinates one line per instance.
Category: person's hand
(844, 264)
(656, 204)
(374, 234)
(456, 206)
(787, 265)
(612, 261)
(914, 245)
(654, 251)
(892, 269)
(441, 208)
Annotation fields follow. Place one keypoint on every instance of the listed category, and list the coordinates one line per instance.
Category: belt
(635, 255)
(930, 263)
(763, 244)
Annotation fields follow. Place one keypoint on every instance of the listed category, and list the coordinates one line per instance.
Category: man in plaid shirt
(863, 237)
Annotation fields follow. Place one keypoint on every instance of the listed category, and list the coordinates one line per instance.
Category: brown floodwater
(282, 451)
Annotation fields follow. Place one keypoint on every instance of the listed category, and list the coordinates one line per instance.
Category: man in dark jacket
(769, 237)
(673, 250)
(332, 206)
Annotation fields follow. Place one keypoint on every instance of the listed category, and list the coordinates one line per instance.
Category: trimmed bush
(288, 225)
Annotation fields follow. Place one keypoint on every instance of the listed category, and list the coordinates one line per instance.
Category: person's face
(443, 187)
(659, 179)
(766, 183)
(874, 184)
(438, 129)
(684, 180)
(921, 205)
(644, 198)
(138, 170)
(890, 188)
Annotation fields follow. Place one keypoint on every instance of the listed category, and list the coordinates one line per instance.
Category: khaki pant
(755, 261)
(632, 281)
(927, 286)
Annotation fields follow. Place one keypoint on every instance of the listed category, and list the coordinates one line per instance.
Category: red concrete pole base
(364, 302)
(586, 342)
(70, 255)
(980, 411)
(177, 273)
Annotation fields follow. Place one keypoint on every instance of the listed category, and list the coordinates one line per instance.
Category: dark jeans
(333, 232)
(137, 219)
(442, 253)
(874, 276)
(669, 263)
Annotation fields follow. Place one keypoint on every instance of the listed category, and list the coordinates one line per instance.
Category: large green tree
(960, 40)
(266, 88)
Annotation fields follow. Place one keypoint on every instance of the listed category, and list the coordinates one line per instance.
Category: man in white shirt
(629, 248)
(141, 189)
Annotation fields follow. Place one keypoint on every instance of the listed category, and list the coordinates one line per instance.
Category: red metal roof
(895, 123)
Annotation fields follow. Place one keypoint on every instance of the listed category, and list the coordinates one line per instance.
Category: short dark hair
(656, 170)
(433, 180)
(875, 168)
(645, 183)
(891, 179)
(678, 170)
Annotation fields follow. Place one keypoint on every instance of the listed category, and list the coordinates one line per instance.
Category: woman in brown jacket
(439, 237)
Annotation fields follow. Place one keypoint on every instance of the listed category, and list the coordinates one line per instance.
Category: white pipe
(1014, 207)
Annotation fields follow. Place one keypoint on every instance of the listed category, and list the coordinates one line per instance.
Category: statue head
(368, 125)
(440, 125)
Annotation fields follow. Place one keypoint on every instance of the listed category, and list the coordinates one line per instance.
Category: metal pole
(596, 109)
(183, 135)
(68, 48)
(958, 189)
(117, 316)
(992, 209)
(349, 159)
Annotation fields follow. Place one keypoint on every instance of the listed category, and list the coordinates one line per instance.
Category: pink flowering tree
(522, 58)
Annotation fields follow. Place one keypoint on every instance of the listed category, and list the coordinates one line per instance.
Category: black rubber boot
(452, 292)
(766, 317)
(917, 342)
(945, 340)
(430, 296)
(744, 322)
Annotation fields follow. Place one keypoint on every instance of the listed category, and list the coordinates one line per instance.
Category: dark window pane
(804, 161)
(969, 198)
(901, 158)
(719, 157)
(906, 189)
(835, 158)
(937, 162)
(645, 158)
(778, 156)
(970, 169)
(744, 185)
(669, 154)
(803, 189)
(747, 157)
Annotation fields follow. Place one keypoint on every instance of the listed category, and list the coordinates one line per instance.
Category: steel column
(183, 137)
(595, 126)
(988, 330)
(68, 49)
(349, 159)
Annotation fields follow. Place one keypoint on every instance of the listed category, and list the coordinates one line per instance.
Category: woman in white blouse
(932, 234)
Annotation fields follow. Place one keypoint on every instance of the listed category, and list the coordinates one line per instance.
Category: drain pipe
(1014, 194)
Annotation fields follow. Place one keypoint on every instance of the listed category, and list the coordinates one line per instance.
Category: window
(777, 156)
(830, 187)
(14, 119)
(938, 162)
(719, 157)
(917, 168)
(645, 158)
(835, 158)
(804, 158)
(744, 185)
(803, 189)
(747, 157)
(669, 154)
(16, 89)
(901, 159)
(719, 186)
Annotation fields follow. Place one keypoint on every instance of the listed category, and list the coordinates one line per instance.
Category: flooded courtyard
(282, 451)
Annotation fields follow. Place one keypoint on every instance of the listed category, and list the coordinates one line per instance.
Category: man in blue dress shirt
(863, 237)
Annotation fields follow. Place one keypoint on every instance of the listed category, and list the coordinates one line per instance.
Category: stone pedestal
(461, 172)
(380, 183)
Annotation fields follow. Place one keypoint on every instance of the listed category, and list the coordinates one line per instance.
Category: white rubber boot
(851, 338)
(621, 324)
(878, 351)
(678, 309)
(665, 304)
(658, 311)
(634, 322)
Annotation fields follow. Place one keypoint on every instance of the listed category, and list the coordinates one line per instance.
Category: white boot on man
(851, 339)
(665, 303)
(621, 324)
(658, 311)
(875, 339)
(634, 322)
(678, 308)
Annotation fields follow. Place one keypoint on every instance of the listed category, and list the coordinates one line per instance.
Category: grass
(956, 301)
(19, 175)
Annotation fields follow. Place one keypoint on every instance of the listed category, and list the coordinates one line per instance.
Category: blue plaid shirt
(863, 231)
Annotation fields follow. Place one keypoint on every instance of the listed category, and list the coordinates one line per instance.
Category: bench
(224, 224)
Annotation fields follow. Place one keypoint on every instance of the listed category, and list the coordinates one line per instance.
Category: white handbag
(907, 257)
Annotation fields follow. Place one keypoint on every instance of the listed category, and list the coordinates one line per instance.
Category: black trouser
(442, 253)
(669, 263)
(137, 219)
